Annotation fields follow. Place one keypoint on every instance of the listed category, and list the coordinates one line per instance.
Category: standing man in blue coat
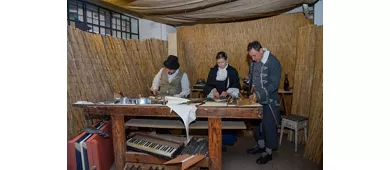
(264, 76)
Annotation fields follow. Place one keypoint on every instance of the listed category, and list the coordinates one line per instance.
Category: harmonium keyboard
(154, 145)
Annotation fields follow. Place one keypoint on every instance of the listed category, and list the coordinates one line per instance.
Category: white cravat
(222, 73)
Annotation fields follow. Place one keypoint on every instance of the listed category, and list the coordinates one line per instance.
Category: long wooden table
(214, 114)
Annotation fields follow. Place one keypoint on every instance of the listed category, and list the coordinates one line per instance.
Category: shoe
(255, 150)
(264, 158)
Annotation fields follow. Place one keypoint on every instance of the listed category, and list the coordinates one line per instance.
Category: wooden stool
(296, 123)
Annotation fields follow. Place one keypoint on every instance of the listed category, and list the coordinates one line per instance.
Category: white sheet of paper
(83, 102)
(186, 112)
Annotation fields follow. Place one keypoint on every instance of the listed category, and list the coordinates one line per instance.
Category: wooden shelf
(177, 124)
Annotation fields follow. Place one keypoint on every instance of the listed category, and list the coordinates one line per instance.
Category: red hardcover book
(91, 151)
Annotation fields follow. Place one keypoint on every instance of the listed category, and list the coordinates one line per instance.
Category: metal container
(132, 101)
(143, 101)
(124, 100)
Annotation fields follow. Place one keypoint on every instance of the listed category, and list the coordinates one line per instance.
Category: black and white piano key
(165, 148)
(152, 147)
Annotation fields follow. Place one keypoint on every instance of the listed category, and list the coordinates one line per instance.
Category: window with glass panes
(95, 19)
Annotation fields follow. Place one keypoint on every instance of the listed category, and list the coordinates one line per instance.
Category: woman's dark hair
(221, 55)
(255, 45)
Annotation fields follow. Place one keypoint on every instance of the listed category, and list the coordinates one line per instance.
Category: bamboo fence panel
(99, 66)
(314, 145)
(304, 71)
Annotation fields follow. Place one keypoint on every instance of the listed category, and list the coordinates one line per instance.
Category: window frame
(87, 6)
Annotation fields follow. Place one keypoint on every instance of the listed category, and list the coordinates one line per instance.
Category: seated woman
(223, 79)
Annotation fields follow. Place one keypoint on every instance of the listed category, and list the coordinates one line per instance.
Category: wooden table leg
(284, 104)
(215, 143)
(118, 136)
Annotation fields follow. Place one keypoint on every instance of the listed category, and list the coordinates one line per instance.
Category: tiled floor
(284, 158)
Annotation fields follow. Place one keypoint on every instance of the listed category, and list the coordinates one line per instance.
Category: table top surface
(207, 110)
(284, 91)
(207, 104)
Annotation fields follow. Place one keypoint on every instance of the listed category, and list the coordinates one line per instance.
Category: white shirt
(185, 83)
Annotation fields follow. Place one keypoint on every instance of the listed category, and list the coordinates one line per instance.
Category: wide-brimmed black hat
(172, 62)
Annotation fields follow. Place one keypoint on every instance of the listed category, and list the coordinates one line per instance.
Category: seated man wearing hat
(170, 81)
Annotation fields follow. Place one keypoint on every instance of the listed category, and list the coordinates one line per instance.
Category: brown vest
(170, 88)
